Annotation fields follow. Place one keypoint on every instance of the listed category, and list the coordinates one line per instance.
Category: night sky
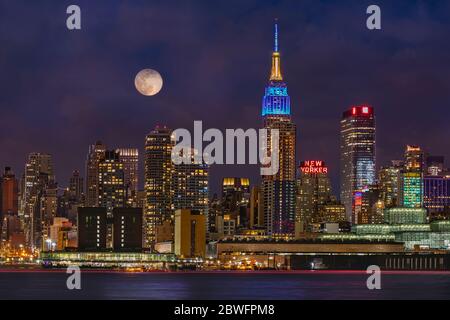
(62, 90)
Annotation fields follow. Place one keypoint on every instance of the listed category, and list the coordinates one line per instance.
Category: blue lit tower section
(279, 195)
(276, 100)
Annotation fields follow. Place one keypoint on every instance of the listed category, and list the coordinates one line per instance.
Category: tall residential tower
(111, 187)
(158, 181)
(95, 154)
(130, 160)
(190, 186)
(38, 176)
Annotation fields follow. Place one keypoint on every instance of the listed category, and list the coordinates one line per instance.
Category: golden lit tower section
(279, 193)
(158, 181)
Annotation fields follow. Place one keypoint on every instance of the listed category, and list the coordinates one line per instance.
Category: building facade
(436, 193)
(111, 187)
(357, 153)
(256, 209)
(76, 187)
(389, 180)
(367, 209)
(9, 193)
(190, 233)
(235, 192)
(158, 181)
(38, 175)
(411, 178)
(95, 154)
(92, 229)
(191, 187)
(9, 198)
(127, 226)
(130, 160)
(236, 198)
(313, 192)
(435, 165)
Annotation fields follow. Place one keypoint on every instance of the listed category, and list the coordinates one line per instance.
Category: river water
(37, 284)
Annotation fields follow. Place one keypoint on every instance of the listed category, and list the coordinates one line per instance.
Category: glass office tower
(357, 153)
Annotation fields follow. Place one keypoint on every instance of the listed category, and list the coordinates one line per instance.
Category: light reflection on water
(239, 286)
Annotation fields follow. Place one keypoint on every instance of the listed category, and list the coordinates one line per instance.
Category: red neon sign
(313, 167)
(364, 110)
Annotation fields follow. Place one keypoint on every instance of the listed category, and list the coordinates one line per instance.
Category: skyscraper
(38, 175)
(411, 178)
(158, 181)
(256, 214)
(389, 179)
(111, 187)
(366, 206)
(76, 186)
(279, 196)
(436, 193)
(9, 208)
(357, 153)
(9, 192)
(414, 159)
(191, 187)
(436, 186)
(313, 191)
(434, 165)
(95, 154)
(235, 199)
(72, 197)
(234, 191)
(130, 159)
(48, 208)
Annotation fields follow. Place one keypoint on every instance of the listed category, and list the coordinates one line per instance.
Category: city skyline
(292, 201)
(238, 150)
(318, 100)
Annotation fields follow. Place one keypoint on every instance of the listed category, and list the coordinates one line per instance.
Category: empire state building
(278, 190)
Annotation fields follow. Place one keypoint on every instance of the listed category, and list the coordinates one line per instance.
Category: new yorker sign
(313, 167)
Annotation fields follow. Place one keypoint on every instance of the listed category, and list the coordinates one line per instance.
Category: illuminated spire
(275, 74)
(275, 47)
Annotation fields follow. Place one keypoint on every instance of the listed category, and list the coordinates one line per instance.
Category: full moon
(148, 82)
